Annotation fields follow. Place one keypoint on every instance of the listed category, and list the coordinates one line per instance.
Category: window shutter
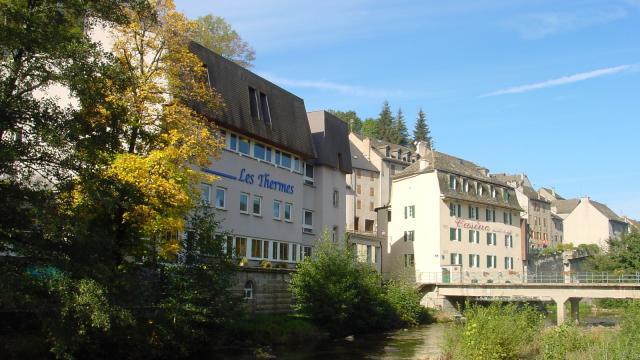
(459, 234)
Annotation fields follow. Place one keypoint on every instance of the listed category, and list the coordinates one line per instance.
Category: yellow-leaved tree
(163, 141)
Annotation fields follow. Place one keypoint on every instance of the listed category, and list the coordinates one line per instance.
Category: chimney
(421, 148)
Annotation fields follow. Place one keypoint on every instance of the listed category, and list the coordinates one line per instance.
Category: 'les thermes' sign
(265, 182)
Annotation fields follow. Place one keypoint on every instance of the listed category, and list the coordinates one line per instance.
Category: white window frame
(244, 194)
(453, 182)
(309, 180)
(307, 228)
(284, 214)
(474, 261)
(491, 239)
(273, 208)
(253, 205)
(224, 198)
(206, 199)
(456, 259)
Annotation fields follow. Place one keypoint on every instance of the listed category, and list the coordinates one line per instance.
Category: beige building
(634, 225)
(374, 162)
(450, 219)
(541, 231)
(588, 222)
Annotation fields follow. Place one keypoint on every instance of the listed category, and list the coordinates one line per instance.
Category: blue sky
(549, 88)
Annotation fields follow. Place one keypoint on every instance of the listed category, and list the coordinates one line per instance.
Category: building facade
(280, 177)
(589, 222)
(541, 232)
(450, 219)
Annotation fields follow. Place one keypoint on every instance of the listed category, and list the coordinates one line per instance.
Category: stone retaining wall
(270, 293)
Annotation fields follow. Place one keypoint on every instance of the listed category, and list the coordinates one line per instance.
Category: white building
(451, 220)
(281, 174)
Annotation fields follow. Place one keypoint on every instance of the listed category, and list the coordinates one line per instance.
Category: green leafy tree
(385, 120)
(422, 131)
(339, 293)
(351, 118)
(370, 128)
(400, 132)
(216, 34)
(622, 255)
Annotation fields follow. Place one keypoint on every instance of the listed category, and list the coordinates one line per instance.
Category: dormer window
(465, 185)
(480, 190)
(452, 182)
(388, 151)
(253, 103)
(259, 106)
(264, 109)
(506, 195)
(493, 191)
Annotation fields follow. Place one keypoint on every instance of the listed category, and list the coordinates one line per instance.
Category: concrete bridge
(559, 288)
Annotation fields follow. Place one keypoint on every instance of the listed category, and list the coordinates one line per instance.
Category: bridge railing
(511, 277)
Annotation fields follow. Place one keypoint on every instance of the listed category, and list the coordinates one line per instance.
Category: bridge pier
(560, 309)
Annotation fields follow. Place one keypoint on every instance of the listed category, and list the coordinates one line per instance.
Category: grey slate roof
(565, 206)
(289, 127)
(380, 147)
(533, 195)
(551, 191)
(359, 161)
(331, 140)
(604, 209)
(447, 164)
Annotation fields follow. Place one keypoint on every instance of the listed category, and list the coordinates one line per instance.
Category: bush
(405, 301)
(495, 332)
(339, 293)
(559, 341)
(266, 264)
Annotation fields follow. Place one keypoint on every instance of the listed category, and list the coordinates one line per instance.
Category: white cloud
(536, 26)
(563, 80)
(351, 90)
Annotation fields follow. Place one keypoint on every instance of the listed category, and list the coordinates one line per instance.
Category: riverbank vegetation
(505, 332)
(344, 296)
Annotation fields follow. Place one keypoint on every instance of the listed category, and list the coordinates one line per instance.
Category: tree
(338, 292)
(400, 132)
(370, 128)
(216, 34)
(422, 131)
(622, 255)
(385, 123)
(351, 118)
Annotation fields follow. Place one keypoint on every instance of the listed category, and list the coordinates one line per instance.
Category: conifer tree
(400, 132)
(385, 123)
(422, 131)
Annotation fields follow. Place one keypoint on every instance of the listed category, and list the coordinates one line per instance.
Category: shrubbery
(343, 295)
(494, 332)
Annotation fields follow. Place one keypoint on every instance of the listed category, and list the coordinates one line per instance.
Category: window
(308, 174)
(257, 205)
(371, 177)
(465, 185)
(256, 248)
(358, 173)
(285, 161)
(452, 182)
(370, 191)
(297, 167)
(277, 205)
(233, 142)
(409, 260)
(493, 191)
(474, 261)
(358, 204)
(409, 211)
(358, 189)
(371, 206)
(336, 198)
(241, 247)
(306, 251)
(206, 193)
(369, 254)
(474, 213)
(491, 262)
(334, 233)
(264, 109)
(506, 195)
(508, 263)
(455, 234)
(259, 151)
(491, 215)
(491, 239)
(283, 251)
(294, 252)
(278, 157)
(274, 250)
(265, 249)
(307, 224)
(456, 259)
(474, 236)
(244, 203)
(508, 241)
(505, 217)
(253, 103)
(356, 223)
(510, 219)
(480, 190)
(268, 154)
(368, 225)
(288, 207)
(409, 235)
(221, 194)
(455, 209)
(244, 145)
(248, 290)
